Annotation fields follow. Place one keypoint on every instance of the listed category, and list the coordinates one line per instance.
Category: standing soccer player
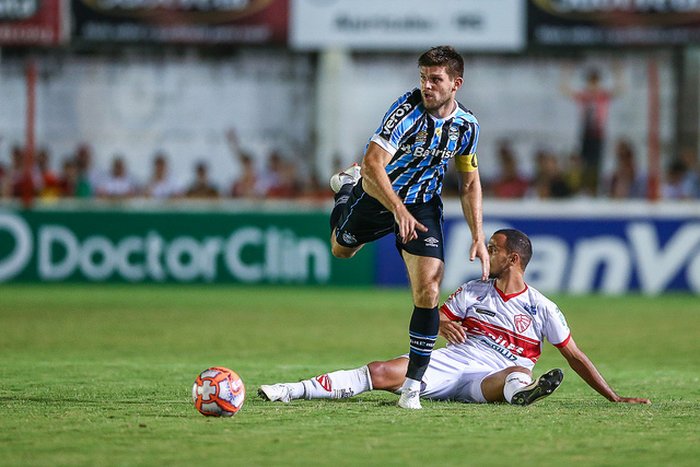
(398, 189)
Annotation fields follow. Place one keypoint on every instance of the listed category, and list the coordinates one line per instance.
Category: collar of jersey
(452, 115)
(505, 296)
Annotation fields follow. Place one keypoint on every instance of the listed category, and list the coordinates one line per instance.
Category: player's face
(438, 90)
(499, 257)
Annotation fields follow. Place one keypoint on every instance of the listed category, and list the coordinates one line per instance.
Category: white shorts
(449, 378)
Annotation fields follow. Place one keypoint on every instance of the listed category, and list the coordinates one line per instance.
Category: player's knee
(342, 252)
(519, 369)
(428, 294)
(384, 376)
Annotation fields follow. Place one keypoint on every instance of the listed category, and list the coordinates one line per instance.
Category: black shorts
(364, 219)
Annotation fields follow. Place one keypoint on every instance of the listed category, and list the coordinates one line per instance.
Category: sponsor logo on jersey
(498, 348)
(562, 320)
(503, 340)
(420, 151)
(532, 309)
(393, 119)
(422, 137)
(522, 322)
(432, 242)
(484, 311)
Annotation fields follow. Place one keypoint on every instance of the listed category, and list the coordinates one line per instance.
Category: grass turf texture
(93, 375)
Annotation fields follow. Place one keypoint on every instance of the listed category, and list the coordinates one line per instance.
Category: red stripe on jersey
(446, 310)
(519, 345)
(500, 329)
(563, 343)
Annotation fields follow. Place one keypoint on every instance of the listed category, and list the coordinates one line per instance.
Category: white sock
(411, 385)
(514, 382)
(338, 384)
(296, 390)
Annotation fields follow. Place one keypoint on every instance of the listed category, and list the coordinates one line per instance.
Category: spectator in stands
(691, 180)
(625, 181)
(574, 173)
(201, 187)
(248, 183)
(118, 184)
(594, 103)
(509, 183)
(49, 183)
(280, 178)
(69, 178)
(549, 180)
(674, 185)
(89, 178)
(162, 185)
(17, 180)
(6, 183)
(14, 171)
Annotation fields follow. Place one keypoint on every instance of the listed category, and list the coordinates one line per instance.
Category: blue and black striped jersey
(422, 145)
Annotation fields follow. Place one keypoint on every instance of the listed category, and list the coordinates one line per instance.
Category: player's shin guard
(341, 199)
(423, 332)
(514, 382)
(338, 384)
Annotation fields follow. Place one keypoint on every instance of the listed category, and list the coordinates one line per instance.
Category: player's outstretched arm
(582, 365)
(470, 196)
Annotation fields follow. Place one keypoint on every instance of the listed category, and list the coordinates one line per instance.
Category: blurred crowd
(79, 178)
(561, 176)
(555, 176)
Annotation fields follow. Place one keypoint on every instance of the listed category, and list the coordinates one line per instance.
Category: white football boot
(275, 392)
(349, 175)
(410, 399)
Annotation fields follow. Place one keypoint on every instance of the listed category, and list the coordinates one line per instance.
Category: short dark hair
(444, 55)
(517, 242)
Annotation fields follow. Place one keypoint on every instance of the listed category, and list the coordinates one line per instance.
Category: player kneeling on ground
(494, 330)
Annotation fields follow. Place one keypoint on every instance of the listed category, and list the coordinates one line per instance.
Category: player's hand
(452, 331)
(479, 250)
(407, 225)
(632, 400)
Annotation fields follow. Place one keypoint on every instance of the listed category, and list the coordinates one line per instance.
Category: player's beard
(435, 105)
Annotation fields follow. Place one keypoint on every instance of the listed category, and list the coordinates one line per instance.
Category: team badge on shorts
(522, 322)
(349, 238)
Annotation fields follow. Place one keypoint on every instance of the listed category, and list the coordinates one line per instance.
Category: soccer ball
(218, 392)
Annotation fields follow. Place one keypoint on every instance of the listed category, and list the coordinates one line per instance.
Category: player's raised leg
(342, 184)
(425, 274)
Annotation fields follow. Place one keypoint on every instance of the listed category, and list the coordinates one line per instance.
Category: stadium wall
(136, 104)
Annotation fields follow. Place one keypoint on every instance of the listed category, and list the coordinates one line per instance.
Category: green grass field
(95, 375)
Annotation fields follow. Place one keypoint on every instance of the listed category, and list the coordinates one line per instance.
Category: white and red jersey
(504, 330)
